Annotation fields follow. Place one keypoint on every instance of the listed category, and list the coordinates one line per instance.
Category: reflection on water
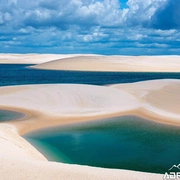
(6, 115)
(126, 142)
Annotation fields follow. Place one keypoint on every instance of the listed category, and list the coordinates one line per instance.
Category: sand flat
(50, 105)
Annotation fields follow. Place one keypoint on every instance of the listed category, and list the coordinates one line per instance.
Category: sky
(119, 27)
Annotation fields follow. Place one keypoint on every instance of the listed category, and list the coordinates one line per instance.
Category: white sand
(49, 105)
(160, 99)
(62, 101)
(30, 58)
(68, 99)
(115, 63)
(95, 62)
(21, 161)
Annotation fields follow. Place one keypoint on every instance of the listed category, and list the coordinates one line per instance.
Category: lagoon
(6, 115)
(126, 142)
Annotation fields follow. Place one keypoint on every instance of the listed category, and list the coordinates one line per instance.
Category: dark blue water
(6, 115)
(127, 142)
(19, 75)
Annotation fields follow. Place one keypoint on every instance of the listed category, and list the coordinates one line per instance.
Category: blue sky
(127, 27)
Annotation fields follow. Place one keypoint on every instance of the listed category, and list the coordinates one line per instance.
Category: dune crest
(115, 63)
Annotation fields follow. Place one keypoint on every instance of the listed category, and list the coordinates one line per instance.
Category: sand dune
(49, 105)
(91, 62)
(80, 102)
(68, 99)
(115, 63)
(30, 58)
(160, 99)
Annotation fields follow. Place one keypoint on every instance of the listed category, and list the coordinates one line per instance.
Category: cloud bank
(93, 26)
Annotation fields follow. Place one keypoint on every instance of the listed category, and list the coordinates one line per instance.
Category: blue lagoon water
(126, 142)
(6, 115)
(13, 74)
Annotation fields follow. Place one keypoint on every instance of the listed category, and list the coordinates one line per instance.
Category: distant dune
(30, 58)
(115, 63)
(91, 62)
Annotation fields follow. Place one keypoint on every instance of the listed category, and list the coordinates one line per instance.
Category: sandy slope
(95, 62)
(49, 105)
(21, 161)
(115, 63)
(68, 99)
(79, 102)
(160, 99)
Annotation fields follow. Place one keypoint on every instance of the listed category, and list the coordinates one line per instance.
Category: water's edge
(9, 115)
(126, 142)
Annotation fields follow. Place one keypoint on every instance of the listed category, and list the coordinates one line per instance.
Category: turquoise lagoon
(127, 142)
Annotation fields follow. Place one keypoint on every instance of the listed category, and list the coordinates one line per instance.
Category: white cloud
(103, 23)
(167, 17)
(64, 13)
(1, 19)
(141, 11)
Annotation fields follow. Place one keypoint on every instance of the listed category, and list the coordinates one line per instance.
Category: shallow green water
(6, 115)
(126, 142)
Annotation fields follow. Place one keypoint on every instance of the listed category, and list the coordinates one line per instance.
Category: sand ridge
(66, 103)
(92, 62)
(68, 99)
(161, 97)
(115, 63)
